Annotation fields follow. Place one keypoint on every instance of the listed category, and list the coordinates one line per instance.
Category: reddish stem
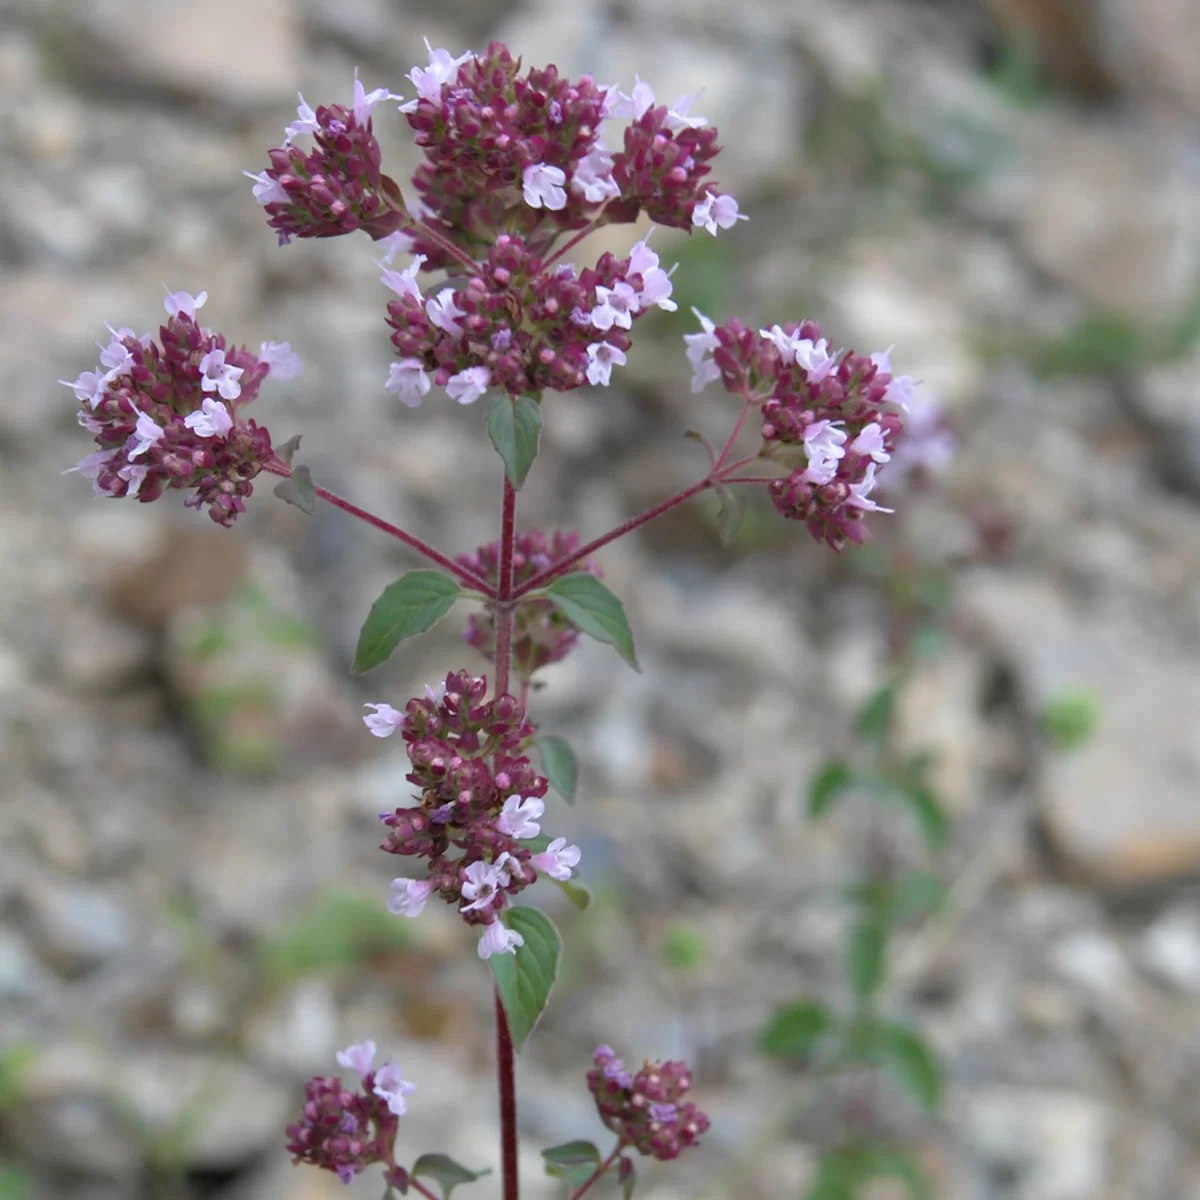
(752, 478)
(504, 589)
(563, 565)
(737, 428)
(446, 246)
(506, 1072)
(573, 241)
(468, 578)
(418, 1186)
(600, 1170)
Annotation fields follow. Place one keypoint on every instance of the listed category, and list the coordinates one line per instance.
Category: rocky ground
(189, 880)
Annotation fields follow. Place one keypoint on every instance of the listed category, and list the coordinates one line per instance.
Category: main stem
(505, 1066)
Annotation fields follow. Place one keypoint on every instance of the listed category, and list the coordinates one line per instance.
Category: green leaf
(929, 813)
(697, 436)
(885, 1162)
(865, 956)
(587, 603)
(729, 515)
(578, 895)
(833, 1180)
(875, 717)
(576, 1162)
(524, 979)
(287, 451)
(514, 427)
(793, 1031)
(627, 1177)
(1070, 719)
(409, 606)
(684, 947)
(911, 1060)
(446, 1172)
(299, 490)
(827, 785)
(558, 761)
(914, 895)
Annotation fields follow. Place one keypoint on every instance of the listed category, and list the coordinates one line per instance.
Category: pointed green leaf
(697, 436)
(524, 979)
(793, 1031)
(576, 1162)
(865, 956)
(729, 515)
(911, 1060)
(834, 1181)
(577, 893)
(587, 603)
(627, 1177)
(446, 1172)
(514, 427)
(407, 607)
(914, 895)
(827, 786)
(558, 761)
(288, 450)
(875, 717)
(930, 815)
(299, 490)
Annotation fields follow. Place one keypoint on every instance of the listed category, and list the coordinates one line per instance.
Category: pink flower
(479, 887)
(183, 302)
(404, 283)
(639, 102)
(134, 474)
(699, 347)
(384, 721)
(815, 359)
(824, 444)
(145, 433)
(443, 312)
(678, 118)
(390, 1088)
(358, 1057)
(883, 360)
(601, 356)
(306, 122)
(860, 491)
(91, 465)
(557, 859)
(88, 422)
(365, 101)
(283, 363)
(220, 376)
(714, 211)
(870, 442)
(497, 939)
(89, 386)
(542, 185)
(267, 190)
(519, 817)
(429, 80)
(115, 359)
(616, 307)
(435, 695)
(212, 419)
(656, 283)
(408, 897)
(467, 386)
(785, 343)
(900, 392)
(395, 243)
(592, 177)
(408, 380)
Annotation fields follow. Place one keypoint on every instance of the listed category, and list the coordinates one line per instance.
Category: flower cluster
(338, 186)
(347, 1131)
(519, 324)
(646, 1110)
(479, 795)
(541, 634)
(168, 414)
(828, 416)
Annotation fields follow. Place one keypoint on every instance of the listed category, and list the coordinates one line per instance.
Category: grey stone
(78, 926)
(1170, 948)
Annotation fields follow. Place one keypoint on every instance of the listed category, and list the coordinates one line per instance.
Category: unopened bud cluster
(541, 634)
(646, 1109)
(480, 796)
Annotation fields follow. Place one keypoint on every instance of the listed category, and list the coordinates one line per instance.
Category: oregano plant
(516, 174)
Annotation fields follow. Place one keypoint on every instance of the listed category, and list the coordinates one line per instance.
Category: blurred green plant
(861, 1041)
(1015, 70)
(15, 1062)
(15, 1183)
(684, 948)
(1070, 719)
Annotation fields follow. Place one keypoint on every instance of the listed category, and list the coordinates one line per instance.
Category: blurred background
(191, 897)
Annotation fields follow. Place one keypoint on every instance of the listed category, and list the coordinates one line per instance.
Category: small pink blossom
(519, 817)
(699, 348)
(91, 465)
(267, 190)
(717, 211)
(408, 897)
(88, 422)
(656, 283)
(360, 1057)
(444, 313)
(542, 186)
(592, 177)
(678, 115)
(220, 376)
(557, 859)
(146, 432)
(306, 122)
(408, 380)
(90, 386)
(601, 357)
(497, 939)
(365, 101)
(395, 243)
(404, 283)
(870, 442)
(815, 358)
(482, 881)
(883, 360)
(616, 306)
(283, 363)
(824, 444)
(429, 80)
(134, 474)
(639, 102)
(435, 695)
(211, 419)
(467, 386)
(785, 343)
(391, 1089)
(183, 302)
(860, 491)
(900, 392)
(384, 721)
(115, 359)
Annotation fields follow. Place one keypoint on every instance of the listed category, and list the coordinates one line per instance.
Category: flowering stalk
(601, 1170)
